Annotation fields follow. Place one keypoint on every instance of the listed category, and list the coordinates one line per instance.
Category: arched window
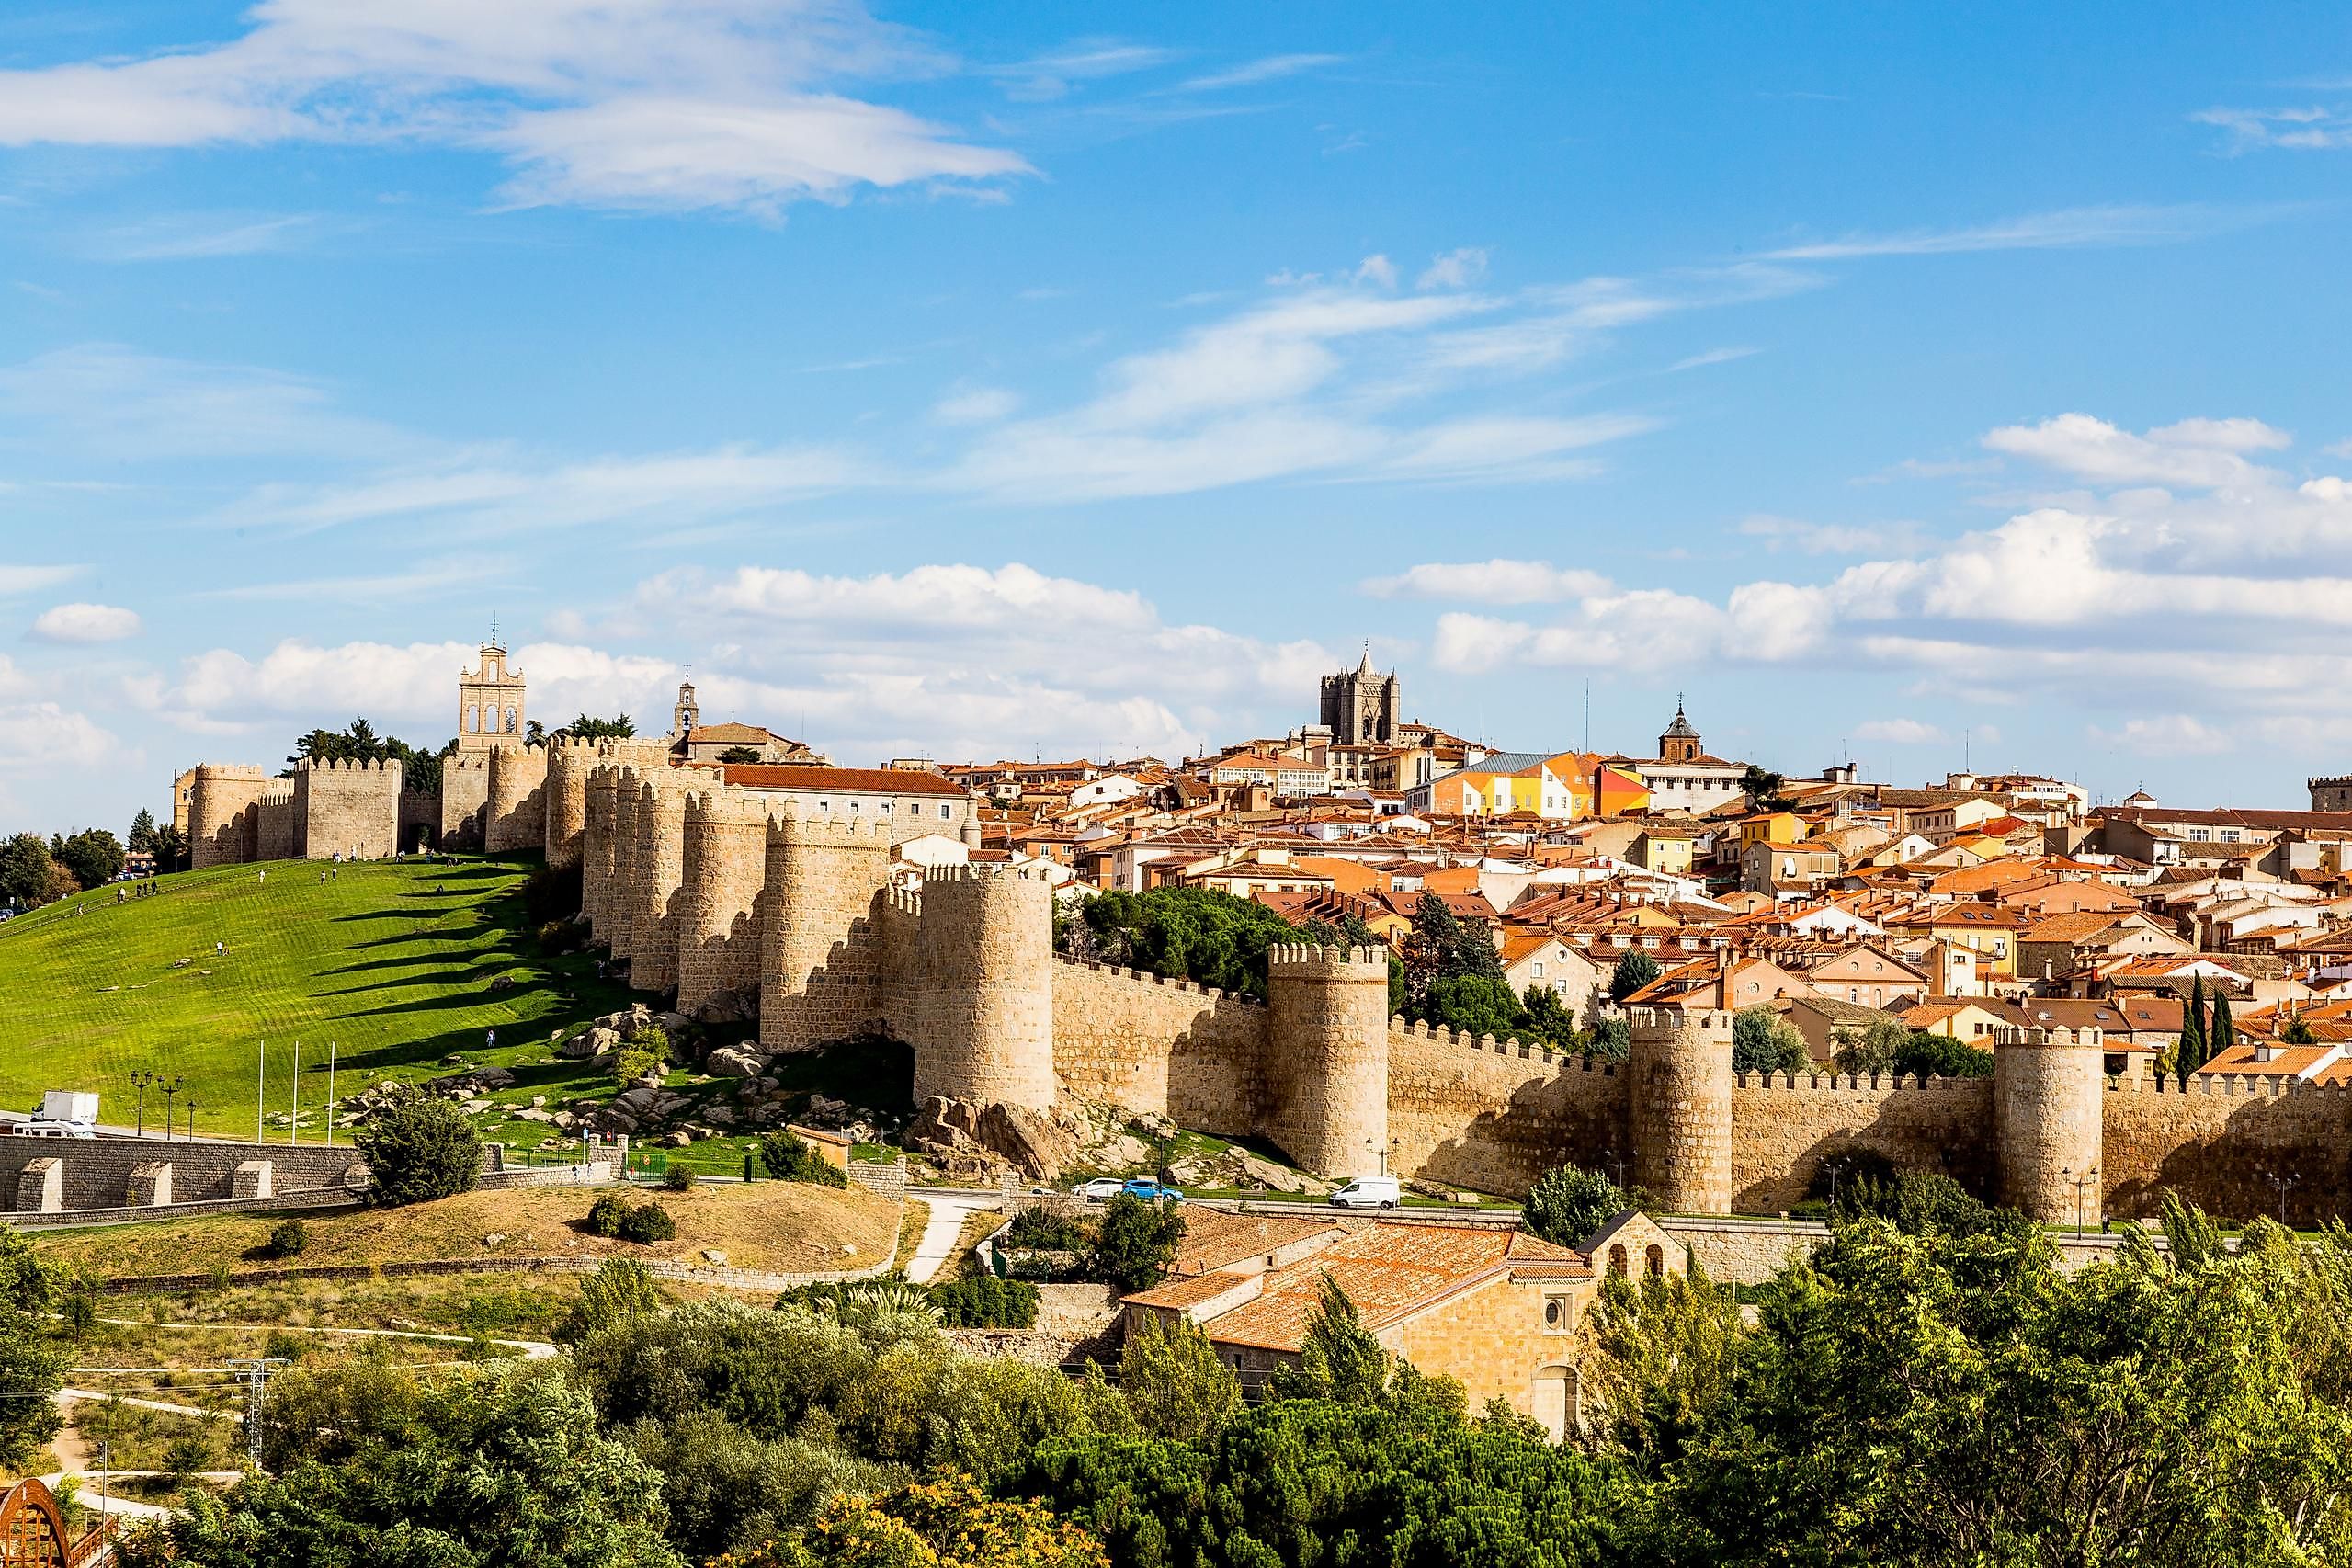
(510, 721)
(1654, 1261)
(472, 725)
(1617, 1257)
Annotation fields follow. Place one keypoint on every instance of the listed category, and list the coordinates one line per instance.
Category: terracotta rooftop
(1213, 1239)
(847, 780)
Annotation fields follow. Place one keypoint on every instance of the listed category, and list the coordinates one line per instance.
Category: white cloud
(1454, 270)
(2070, 229)
(1900, 731)
(1497, 582)
(1047, 76)
(199, 236)
(1271, 68)
(2201, 453)
(1832, 538)
(2305, 129)
(2170, 735)
(1377, 270)
(660, 104)
(86, 623)
(39, 737)
(975, 406)
(1711, 357)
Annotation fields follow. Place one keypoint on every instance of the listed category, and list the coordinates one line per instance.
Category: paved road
(937, 1250)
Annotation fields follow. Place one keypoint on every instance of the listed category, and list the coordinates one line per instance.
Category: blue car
(1151, 1191)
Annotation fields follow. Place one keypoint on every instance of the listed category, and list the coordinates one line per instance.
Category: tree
(501, 1468)
(1612, 1040)
(1135, 1242)
(1340, 1360)
(534, 733)
(2296, 1032)
(1173, 1379)
(2191, 1053)
(24, 870)
(1634, 971)
(33, 1366)
(1873, 1049)
(419, 768)
(1195, 933)
(740, 754)
(418, 1149)
(1475, 1004)
(170, 848)
(1567, 1204)
(946, 1523)
(1927, 1055)
(141, 840)
(63, 882)
(618, 1289)
(1544, 1016)
(2225, 1033)
(1763, 1042)
(583, 728)
(94, 856)
(1763, 788)
(788, 1157)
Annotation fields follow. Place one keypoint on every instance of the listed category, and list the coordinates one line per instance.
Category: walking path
(937, 1250)
(532, 1350)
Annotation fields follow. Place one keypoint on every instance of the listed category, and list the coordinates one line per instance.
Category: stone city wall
(106, 1172)
(724, 862)
(1492, 1115)
(221, 814)
(2219, 1142)
(514, 814)
(1785, 1128)
(1159, 1047)
(351, 808)
(465, 799)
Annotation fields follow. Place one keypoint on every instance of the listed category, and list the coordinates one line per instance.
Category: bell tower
(686, 716)
(1681, 742)
(490, 701)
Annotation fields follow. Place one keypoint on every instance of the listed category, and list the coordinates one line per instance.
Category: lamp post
(1833, 1168)
(190, 1123)
(170, 1090)
(2080, 1183)
(2280, 1184)
(1617, 1162)
(1374, 1146)
(139, 1080)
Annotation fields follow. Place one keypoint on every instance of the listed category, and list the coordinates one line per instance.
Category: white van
(1369, 1192)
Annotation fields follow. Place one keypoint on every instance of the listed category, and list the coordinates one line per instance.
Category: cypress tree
(2190, 1052)
(2225, 1033)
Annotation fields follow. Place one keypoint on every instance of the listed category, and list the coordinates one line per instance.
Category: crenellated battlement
(2040, 1038)
(349, 766)
(1308, 960)
(845, 833)
(1145, 977)
(226, 772)
(1851, 1082)
(1673, 1020)
(987, 873)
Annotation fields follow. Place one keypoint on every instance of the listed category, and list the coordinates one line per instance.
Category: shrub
(286, 1239)
(982, 1301)
(419, 1149)
(1039, 1228)
(1940, 1056)
(788, 1157)
(618, 1289)
(553, 893)
(1568, 1204)
(1763, 1042)
(1174, 1382)
(1135, 1242)
(606, 1212)
(677, 1178)
(649, 1221)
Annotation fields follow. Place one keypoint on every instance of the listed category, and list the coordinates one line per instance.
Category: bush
(618, 1289)
(1940, 1056)
(788, 1157)
(606, 1212)
(419, 1149)
(677, 1178)
(982, 1301)
(1763, 1042)
(286, 1239)
(1039, 1228)
(1135, 1242)
(551, 893)
(1568, 1204)
(649, 1221)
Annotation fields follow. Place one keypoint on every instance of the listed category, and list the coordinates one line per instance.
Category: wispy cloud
(2307, 129)
(2073, 228)
(1271, 68)
(1045, 77)
(197, 237)
(658, 105)
(16, 580)
(1711, 357)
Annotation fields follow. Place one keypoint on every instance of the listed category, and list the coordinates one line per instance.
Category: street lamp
(188, 1127)
(2280, 1183)
(1617, 1162)
(1373, 1145)
(2080, 1183)
(170, 1090)
(139, 1080)
(1833, 1168)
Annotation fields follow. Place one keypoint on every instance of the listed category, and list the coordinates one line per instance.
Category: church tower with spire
(1681, 742)
(1361, 705)
(687, 715)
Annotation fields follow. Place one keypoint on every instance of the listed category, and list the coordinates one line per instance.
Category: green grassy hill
(392, 964)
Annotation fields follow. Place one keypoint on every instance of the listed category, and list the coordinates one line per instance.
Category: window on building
(1556, 1313)
(943, 812)
(1539, 969)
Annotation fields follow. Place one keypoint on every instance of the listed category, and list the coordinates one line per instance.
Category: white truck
(65, 1113)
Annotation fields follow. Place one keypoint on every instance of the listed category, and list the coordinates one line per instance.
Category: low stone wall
(66, 1218)
(99, 1173)
(659, 1268)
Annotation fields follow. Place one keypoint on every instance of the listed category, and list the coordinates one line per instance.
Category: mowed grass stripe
(391, 963)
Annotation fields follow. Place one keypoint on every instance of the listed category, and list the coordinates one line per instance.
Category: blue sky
(971, 380)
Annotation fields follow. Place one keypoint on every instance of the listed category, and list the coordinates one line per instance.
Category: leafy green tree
(982, 1301)
(618, 1289)
(944, 1523)
(94, 856)
(1545, 1017)
(740, 755)
(1873, 1049)
(420, 768)
(726, 1489)
(419, 1148)
(1763, 1042)
(1341, 1361)
(170, 849)
(788, 1156)
(1634, 971)
(1763, 789)
(585, 728)
(1172, 1381)
(501, 1468)
(142, 839)
(1135, 1241)
(1929, 1055)
(33, 1366)
(1664, 1349)
(1196, 934)
(2225, 1033)
(24, 870)
(1917, 1202)
(1567, 1204)
(1612, 1039)
(1475, 1004)
(2295, 1032)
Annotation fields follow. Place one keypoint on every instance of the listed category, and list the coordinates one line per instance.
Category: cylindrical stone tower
(621, 900)
(1327, 1065)
(2047, 1085)
(984, 987)
(219, 831)
(569, 763)
(517, 820)
(597, 848)
(1680, 1074)
(820, 978)
(717, 919)
(657, 870)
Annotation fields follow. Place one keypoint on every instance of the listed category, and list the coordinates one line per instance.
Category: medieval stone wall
(277, 822)
(1681, 1108)
(820, 974)
(465, 799)
(1325, 1085)
(2220, 1143)
(724, 863)
(984, 1013)
(569, 764)
(1160, 1046)
(221, 816)
(1785, 1129)
(351, 808)
(1494, 1115)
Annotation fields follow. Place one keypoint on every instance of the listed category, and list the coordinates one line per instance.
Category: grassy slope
(391, 962)
(785, 1226)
